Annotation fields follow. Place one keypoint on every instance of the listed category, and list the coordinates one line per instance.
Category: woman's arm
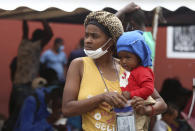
(71, 106)
(159, 107)
(129, 8)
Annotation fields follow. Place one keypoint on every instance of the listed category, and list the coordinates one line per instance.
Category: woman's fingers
(122, 98)
(119, 101)
(115, 99)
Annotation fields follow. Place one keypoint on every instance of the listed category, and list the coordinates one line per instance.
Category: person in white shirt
(55, 58)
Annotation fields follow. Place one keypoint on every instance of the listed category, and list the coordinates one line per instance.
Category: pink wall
(10, 37)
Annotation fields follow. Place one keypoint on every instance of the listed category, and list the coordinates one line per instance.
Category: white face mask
(94, 54)
(61, 48)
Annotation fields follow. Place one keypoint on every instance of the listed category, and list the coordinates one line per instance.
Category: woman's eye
(86, 35)
(94, 35)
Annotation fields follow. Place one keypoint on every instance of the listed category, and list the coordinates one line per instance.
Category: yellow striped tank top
(92, 84)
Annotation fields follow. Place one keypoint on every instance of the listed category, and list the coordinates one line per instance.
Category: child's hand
(126, 94)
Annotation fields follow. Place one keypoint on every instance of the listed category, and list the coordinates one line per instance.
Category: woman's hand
(114, 99)
(126, 94)
(159, 107)
(139, 107)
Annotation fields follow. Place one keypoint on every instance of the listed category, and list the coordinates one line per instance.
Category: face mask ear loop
(106, 43)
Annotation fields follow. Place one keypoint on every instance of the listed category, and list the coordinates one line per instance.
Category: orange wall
(10, 37)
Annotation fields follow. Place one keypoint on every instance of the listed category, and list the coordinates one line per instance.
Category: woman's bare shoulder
(77, 61)
(76, 65)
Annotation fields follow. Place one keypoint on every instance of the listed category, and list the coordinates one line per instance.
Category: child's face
(128, 60)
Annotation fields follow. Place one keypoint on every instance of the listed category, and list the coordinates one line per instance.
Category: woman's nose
(88, 40)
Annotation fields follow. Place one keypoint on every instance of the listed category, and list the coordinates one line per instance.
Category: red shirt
(140, 82)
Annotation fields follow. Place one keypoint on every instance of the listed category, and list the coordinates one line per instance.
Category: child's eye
(128, 57)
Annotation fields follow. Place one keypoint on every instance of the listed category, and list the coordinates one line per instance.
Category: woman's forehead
(93, 29)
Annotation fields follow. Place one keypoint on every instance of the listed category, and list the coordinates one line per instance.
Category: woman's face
(128, 61)
(95, 38)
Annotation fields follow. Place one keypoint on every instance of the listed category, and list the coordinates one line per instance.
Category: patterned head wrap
(108, 20)
(134, 42)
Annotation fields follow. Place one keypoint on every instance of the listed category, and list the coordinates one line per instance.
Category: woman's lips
(88, 48)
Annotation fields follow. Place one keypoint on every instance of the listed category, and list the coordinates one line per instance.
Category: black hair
(172, 90)
(37, 35)
(170, 109)
(81, 42)
(49, 74)
(55, 95)
(138, 16)
(58, 40)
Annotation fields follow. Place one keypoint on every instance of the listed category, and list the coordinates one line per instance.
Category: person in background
(168, 121)
(25, 68)
(50, 75)
(133, 18)
(171, 85)
(13, 67)
(79, 52)
(29, 51)
(40, 111)
(56, 59)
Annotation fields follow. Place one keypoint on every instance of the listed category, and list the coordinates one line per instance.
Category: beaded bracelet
(152, 111)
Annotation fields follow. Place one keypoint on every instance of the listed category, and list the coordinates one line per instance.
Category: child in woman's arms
(138, 79)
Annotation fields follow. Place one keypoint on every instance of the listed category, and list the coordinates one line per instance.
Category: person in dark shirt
(79, 52)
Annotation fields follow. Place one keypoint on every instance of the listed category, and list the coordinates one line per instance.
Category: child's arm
(145, 81)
